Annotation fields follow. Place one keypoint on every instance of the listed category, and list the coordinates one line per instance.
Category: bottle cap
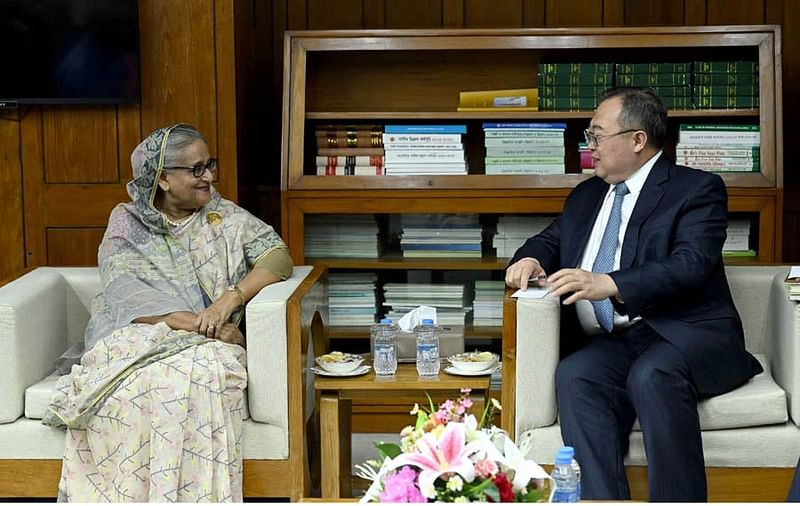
(565, 455)
(427, 321)
(386, 320)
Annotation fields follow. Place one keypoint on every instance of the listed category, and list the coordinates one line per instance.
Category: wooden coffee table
(335, 409)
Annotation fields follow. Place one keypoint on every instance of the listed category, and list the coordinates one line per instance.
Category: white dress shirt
(584, 308)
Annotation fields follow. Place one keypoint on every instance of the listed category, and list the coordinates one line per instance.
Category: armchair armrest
(531, 337)
(274, 358)
(783, 326)
(33, 334)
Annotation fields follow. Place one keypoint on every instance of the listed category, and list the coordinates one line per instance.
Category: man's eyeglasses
(200, 169)
(594, 139)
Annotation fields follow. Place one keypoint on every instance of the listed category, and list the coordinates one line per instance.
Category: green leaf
(390, 450)
(492, 492)
(422, 419)
(430, 401)
(470, 489)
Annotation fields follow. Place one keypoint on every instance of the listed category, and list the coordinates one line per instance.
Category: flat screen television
(69, 51)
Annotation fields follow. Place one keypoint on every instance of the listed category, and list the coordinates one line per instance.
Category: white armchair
(751, 438)
(47, 309)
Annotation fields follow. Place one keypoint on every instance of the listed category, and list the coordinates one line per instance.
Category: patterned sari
(155, 414)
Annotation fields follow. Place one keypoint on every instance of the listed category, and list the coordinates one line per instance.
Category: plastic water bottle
(577, 469)
(384, 348)
(427, 349)
(565, 481)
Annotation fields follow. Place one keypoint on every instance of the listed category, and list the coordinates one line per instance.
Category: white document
(794, 272)
(531, 293)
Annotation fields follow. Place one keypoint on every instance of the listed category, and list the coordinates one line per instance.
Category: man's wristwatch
(237, 291)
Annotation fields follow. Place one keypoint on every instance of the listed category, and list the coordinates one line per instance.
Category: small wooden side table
(335, 410)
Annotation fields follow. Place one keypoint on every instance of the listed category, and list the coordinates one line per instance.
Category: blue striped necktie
(604, 261)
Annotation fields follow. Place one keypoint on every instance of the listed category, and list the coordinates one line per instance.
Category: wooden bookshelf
(414, 76)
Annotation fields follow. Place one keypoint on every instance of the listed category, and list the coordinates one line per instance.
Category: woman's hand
(230, 333)
(211, 320)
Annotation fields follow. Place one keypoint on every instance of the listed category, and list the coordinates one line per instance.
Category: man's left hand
(583, 285)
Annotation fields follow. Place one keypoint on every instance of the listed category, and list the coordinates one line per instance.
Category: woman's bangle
(237, 291)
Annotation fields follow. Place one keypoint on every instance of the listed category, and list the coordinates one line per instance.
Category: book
(349, 142)
(349, 160)
(350, 170)
(557, 168)
(425, 129)
(606, 79)
(726, 67)
(683, 79)
(652, 68)
(405, 146)
(422, 139)
(504, 99)
(700, 90)
(531, 108)
(567, 104)
(548, 90)
(725, 102)
(724, 79)
(720, 126)
(527, 160)
(524, 151)
(753, 152)
(350, 152)
(526, 126)
(423, 155)
(576, 68)
(522, 141)
(708, 162)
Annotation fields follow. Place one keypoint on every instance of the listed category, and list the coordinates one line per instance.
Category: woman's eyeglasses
(200, 169)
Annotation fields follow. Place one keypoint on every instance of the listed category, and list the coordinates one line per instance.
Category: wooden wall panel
(695, 12)
(735, 12)
(533, 13)
(492, 14)
(574, 13)
(413, 14)
(341, 14)
(12, 246)
(80, 144)
(178, 67)
(654, 12)
(75, 247)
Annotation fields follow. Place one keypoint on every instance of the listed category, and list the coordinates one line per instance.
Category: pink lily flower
(448, 454)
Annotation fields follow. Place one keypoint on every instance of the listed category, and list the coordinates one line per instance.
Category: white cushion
(38, 395)
(760, 401)
(765, 446)
(29, 439)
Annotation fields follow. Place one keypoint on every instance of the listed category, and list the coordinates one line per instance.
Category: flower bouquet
(450, 456)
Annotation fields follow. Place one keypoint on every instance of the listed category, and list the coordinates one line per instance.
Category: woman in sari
(154, 409)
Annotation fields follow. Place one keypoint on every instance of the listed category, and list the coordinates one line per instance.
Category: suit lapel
(586, 217)
(652, 192)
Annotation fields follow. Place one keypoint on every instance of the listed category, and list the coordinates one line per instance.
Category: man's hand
(518, 274)
(583, 285)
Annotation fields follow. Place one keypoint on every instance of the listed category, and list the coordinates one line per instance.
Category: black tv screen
(69, 51)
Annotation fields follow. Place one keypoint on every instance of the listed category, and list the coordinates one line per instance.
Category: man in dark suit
(794, 490)
(637, 256)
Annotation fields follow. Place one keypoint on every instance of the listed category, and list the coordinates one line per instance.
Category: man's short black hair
(642, 109)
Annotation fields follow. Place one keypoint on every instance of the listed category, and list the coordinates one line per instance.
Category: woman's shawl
(149, 268)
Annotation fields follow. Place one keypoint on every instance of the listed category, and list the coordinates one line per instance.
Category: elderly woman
(154, 409)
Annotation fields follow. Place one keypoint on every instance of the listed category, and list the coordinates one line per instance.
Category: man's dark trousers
(604, 386)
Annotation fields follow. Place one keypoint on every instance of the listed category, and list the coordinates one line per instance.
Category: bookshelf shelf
(362, 332)
(515, 115)
(415, 76)
(398, 262)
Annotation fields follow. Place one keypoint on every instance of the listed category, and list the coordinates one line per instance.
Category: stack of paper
(448, 299)
(341, 236)
(351, 298)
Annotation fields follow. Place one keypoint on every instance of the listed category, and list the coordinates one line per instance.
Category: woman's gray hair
(180, 138)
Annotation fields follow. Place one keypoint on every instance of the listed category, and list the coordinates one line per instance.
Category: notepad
(531, 293)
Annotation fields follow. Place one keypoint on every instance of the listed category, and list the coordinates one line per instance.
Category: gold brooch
(214, 218)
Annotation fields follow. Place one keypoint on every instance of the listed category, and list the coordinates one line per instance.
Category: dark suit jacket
(671, 271)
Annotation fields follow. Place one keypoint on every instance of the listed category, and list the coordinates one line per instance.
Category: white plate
(358, 371)
(460, 372)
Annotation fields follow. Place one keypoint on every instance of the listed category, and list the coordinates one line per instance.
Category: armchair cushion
(760, 401)
(38, 395)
